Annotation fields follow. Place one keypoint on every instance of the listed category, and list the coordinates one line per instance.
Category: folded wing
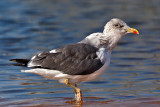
(74, 59)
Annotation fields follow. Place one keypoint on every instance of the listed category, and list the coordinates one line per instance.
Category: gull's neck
(106, 40)
(112, 40)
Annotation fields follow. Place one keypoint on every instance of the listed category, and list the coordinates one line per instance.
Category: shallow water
(28, 27)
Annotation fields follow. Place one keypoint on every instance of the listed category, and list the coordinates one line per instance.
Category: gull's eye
(119, 25)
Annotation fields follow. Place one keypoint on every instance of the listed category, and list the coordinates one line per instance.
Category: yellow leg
(78, 93)
(75, 92)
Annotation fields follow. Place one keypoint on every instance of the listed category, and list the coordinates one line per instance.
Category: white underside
(73, 79)
(57, 75)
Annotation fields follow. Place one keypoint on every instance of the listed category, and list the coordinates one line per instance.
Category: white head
(117, 26)
(114, 30)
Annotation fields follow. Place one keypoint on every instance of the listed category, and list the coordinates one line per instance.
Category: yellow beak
(132, 30)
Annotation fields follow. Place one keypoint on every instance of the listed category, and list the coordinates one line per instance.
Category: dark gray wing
(74, 59)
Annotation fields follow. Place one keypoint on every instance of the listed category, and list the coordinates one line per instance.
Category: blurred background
(28, 27)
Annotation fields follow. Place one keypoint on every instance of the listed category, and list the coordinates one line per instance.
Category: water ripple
(28, 27)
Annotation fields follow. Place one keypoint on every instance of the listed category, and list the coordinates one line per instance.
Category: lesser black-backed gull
(82, 61)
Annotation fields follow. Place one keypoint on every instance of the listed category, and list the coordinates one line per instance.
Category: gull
(79, 62)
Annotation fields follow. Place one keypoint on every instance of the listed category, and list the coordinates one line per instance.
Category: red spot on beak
(135, 32)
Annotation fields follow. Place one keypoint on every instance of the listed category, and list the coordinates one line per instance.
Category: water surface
(28, 27)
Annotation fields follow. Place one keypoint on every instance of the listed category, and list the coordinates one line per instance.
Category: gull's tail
(20, 62)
